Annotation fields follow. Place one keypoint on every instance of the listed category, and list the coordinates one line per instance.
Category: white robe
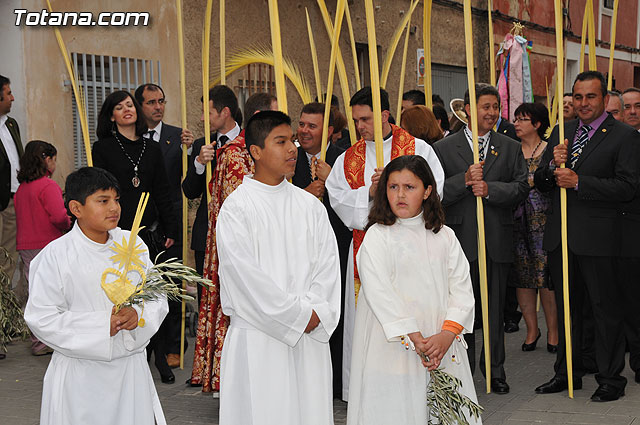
(278, 262)
(352, 206)
(388, 383)
(92, 378)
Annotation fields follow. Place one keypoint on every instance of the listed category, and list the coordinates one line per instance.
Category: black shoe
(607, 392)
(552, 348)
(3, 356)
(511, 326)
(499, 386)
(638, 376)
(532, 346)
(189, 383)
(557, 385)
(168, 379)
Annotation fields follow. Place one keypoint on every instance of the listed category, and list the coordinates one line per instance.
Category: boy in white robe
(98, 373)
(280, 284)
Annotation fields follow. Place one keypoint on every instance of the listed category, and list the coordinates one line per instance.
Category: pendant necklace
(135, 181)
(530, 160)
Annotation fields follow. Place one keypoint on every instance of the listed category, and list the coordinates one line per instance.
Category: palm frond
(12, 324)
(163, 280)
(263, 54)
(395, 39)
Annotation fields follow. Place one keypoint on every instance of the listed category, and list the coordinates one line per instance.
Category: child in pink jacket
(40, 212)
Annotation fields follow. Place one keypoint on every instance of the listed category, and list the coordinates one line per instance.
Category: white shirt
(231, 134)
(481, 139)
(157, 130)
(12, 152)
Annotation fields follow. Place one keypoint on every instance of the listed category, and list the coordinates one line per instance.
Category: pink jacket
(40, 213)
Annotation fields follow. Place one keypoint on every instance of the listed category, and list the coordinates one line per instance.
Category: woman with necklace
(530, 273)
(137, 164)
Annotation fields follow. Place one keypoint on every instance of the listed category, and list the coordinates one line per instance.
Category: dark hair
(317, 108)
(32, 164)
(420, 122)
(105, 125)
(414, 96)
(537, 113)
(339, 120)
(3, 82)
(441, 114)
(482, 89)
(257, 102)
(364, 97)
(334, 100)
(223, 97)
(631, 90)
(139, 93)
(261, 124)
(592, 75)
(567, 94)
(86, 181)
(437, 100)
(432, 210)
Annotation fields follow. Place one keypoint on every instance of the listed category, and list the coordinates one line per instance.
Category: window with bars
(255, 78)
(98, 76)
(608, 4)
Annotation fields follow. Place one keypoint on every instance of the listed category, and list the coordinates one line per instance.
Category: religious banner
(420, 70)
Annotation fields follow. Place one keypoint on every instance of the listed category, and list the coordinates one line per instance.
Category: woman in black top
(137, 164)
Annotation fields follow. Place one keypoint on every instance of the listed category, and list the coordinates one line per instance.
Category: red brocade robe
(232, 164)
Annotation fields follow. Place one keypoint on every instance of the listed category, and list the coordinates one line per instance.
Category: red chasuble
(233, 163)
(402, 144)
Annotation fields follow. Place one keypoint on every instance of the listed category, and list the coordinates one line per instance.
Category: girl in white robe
(416, 290)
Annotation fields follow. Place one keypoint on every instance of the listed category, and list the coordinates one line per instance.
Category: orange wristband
(451, 326)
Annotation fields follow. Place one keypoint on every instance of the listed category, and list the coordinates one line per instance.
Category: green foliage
(446, 403)
(12, 324)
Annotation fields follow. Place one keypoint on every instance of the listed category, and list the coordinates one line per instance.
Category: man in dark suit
(310, 139)
(10, 153)
(223, 110)
(501, 180)
(601, 173)
(170, 139)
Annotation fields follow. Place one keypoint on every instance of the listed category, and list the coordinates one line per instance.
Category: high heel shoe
(532, 346)
(552, 348)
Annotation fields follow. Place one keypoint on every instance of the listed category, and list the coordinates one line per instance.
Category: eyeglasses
(516, 119)
(154, 102)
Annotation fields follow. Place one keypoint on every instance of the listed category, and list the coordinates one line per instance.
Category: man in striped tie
(600, 156)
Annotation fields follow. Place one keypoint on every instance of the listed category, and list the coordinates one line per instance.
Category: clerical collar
(385, 138)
